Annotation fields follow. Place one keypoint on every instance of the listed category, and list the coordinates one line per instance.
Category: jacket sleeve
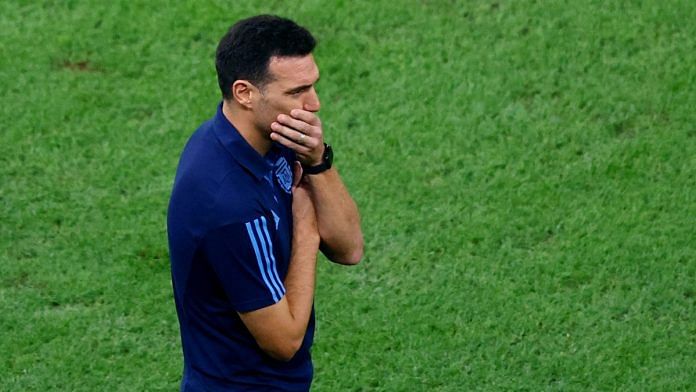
(243, 258)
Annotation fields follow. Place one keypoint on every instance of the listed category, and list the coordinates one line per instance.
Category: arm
(337, 214)
(337, 217)
(279, 329)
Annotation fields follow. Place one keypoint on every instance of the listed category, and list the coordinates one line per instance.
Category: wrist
(323, 165)
(314, 162)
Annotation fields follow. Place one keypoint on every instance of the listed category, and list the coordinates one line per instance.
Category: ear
(242, 92)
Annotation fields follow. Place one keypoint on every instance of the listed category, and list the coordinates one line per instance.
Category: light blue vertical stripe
(268, 258)
(260, 262)
(270, 247)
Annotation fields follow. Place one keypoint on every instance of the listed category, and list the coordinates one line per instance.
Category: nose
(312, 103)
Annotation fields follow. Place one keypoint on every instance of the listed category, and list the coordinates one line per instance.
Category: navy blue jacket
(230, 229)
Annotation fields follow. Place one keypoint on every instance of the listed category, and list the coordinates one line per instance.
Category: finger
(295, 124)
(306, 116)
(296, 174)
(289, 143)
(290, 133)
(297, 137)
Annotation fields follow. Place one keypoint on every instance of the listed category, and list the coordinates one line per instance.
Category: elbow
(354, 257)
(350, 255)
(358, 252)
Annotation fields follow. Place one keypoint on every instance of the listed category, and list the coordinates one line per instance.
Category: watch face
(328, 154)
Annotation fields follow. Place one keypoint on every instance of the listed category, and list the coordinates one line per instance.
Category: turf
(526, 173)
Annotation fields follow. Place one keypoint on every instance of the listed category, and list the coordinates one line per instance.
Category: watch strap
(327, 159)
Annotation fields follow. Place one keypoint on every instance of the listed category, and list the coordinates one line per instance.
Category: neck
(241, 120)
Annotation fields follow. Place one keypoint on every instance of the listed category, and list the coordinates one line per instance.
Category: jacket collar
(240, 149)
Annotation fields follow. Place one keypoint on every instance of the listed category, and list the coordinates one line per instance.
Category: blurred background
(525, 170)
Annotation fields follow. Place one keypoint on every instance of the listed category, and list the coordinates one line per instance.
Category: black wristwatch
(327, 160)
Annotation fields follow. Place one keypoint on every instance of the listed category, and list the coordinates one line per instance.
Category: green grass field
(526, 173)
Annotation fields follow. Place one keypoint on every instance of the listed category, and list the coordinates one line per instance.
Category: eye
(299, 90)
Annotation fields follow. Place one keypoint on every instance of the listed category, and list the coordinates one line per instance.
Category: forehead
(297, 70)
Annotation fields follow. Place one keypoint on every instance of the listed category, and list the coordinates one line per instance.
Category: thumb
(296, 174)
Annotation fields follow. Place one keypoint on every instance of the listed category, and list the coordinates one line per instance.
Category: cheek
(268, 110)
(272, 107)
(264, 116)
(286, 105)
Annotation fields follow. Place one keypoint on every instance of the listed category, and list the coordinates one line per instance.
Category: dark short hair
(245, 51)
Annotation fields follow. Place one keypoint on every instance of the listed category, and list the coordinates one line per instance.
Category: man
(254, 199)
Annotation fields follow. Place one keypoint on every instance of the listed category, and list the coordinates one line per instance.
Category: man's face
(292, 86)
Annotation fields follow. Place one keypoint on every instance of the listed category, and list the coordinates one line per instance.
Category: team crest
(283, 174)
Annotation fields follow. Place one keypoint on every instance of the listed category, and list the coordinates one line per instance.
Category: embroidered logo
(283, 174)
